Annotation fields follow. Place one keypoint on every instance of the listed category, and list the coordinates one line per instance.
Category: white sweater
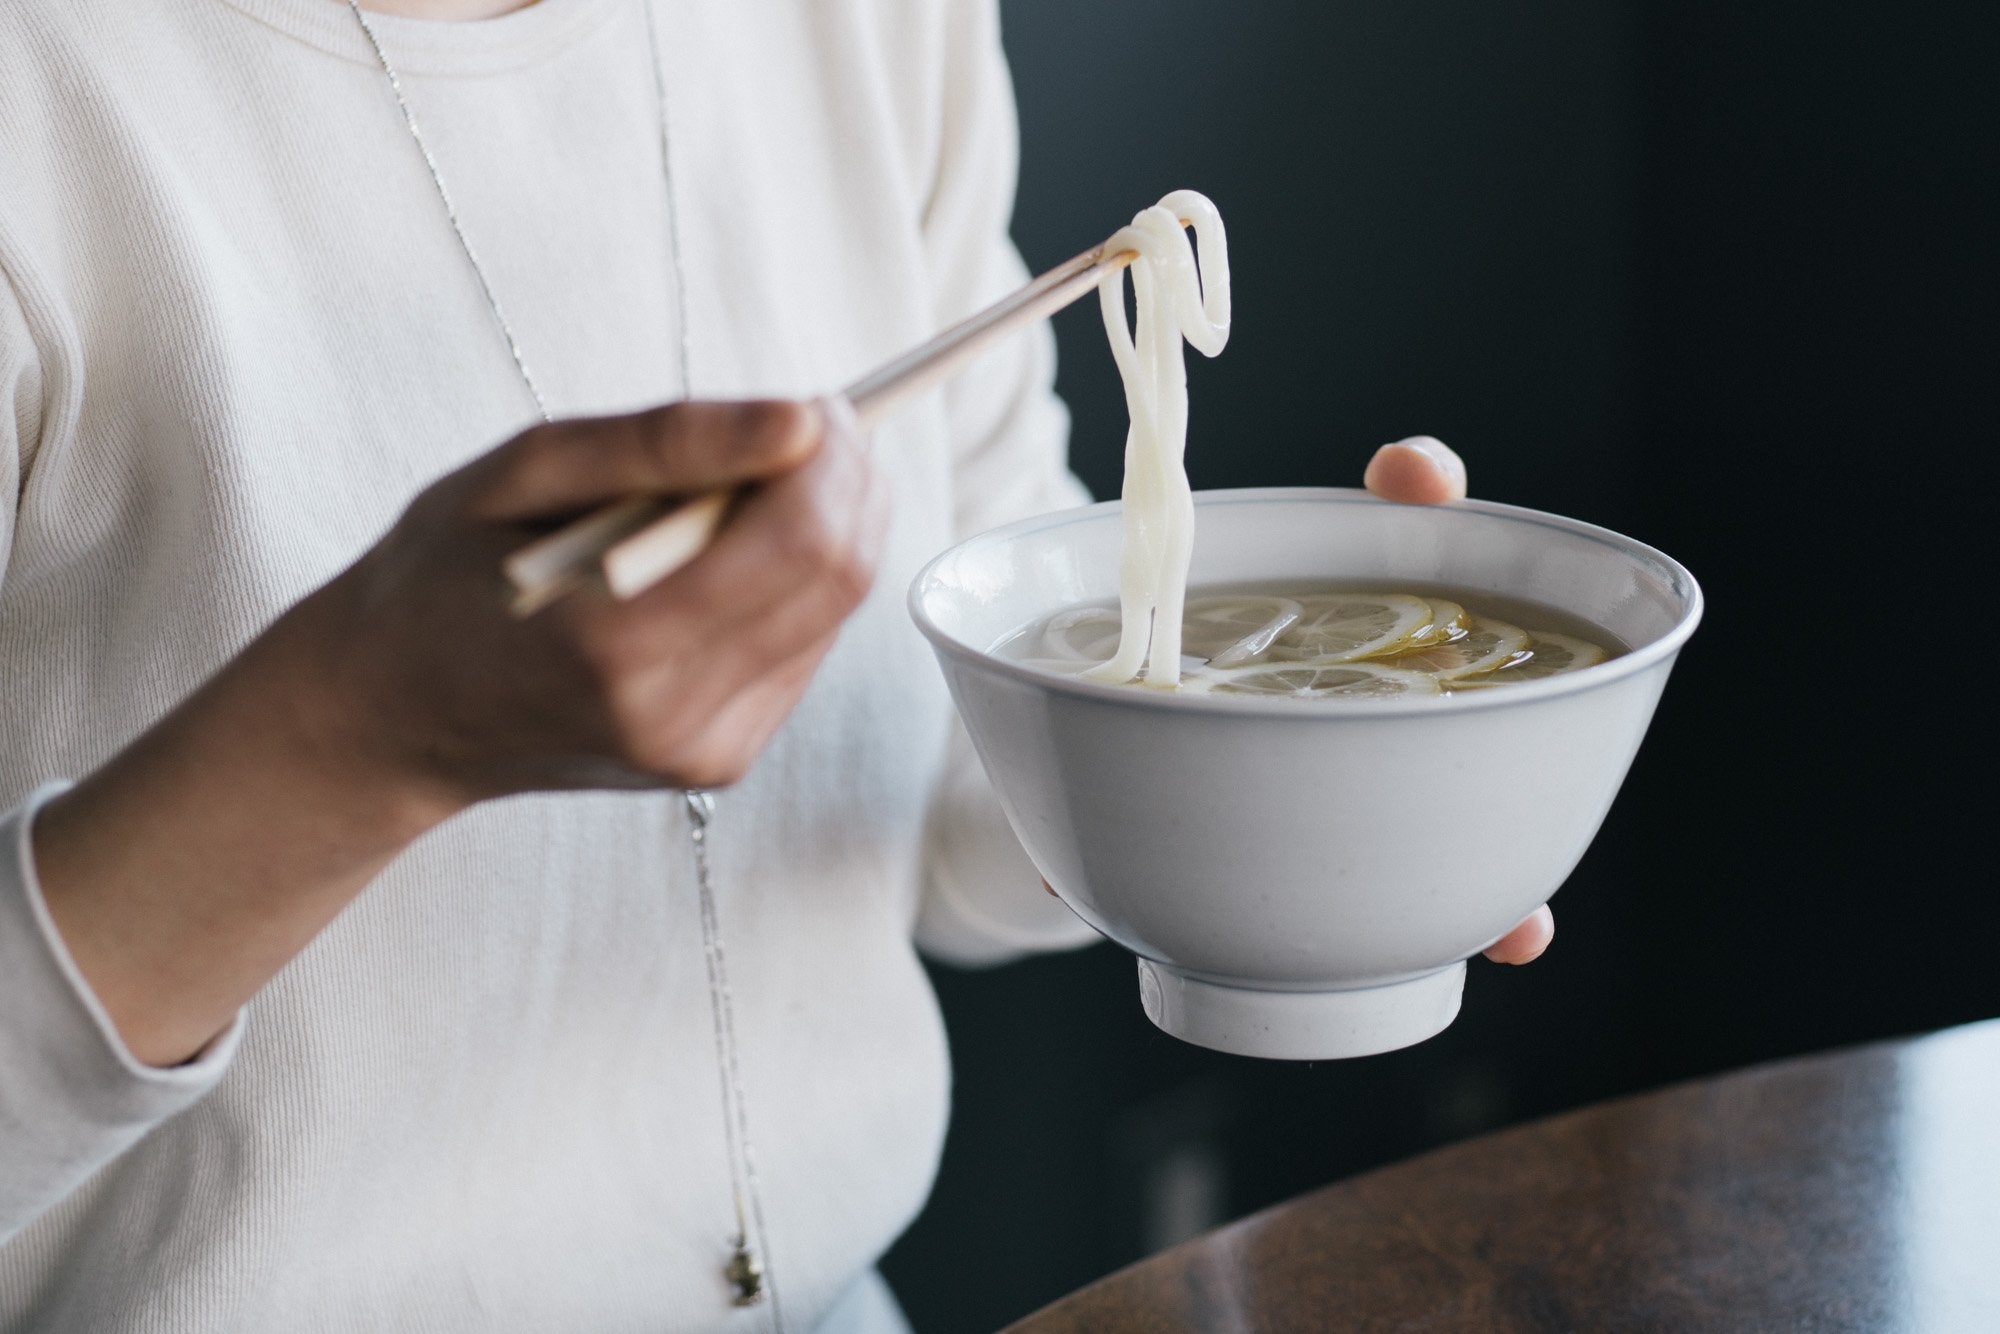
(236, 336)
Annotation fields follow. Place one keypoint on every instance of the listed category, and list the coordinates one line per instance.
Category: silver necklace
(750, 1277)
(743, 1270)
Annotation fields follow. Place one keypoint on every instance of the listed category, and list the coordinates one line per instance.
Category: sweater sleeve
(72, 1097)
(983, 899)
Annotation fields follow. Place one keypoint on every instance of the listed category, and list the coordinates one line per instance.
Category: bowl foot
(1300, 1025)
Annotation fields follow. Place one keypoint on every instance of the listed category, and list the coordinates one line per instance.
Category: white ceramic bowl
(1306, 878)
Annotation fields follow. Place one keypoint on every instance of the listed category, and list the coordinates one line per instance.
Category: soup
(1330, 640)
(1306, 641)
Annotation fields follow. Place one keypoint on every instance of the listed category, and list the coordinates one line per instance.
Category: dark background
(1718, 275)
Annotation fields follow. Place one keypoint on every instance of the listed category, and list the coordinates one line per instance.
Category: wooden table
(1858, 1190)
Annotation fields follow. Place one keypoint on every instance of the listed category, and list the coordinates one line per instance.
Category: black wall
(1719, 275)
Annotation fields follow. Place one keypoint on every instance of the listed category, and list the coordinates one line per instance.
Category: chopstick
(635, 543)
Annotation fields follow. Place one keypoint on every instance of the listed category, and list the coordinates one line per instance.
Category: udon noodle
(1180, 290)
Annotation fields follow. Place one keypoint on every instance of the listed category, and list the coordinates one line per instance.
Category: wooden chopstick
(635, 543)
(943, 356)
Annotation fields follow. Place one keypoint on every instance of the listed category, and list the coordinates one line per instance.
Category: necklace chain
(667, 179)
(506, 327)
(751, 1280)
(451, 211)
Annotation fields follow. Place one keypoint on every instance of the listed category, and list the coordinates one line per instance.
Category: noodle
(1178, 292)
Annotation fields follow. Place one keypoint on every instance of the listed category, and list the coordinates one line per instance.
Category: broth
(1331, 640)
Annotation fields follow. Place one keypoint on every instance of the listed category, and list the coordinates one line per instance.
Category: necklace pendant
(746, 1274)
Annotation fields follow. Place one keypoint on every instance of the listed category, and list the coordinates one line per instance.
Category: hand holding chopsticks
(635, 543)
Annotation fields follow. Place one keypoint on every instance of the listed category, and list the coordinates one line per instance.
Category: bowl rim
(1586, 679)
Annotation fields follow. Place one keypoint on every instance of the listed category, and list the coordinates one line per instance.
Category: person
(352, 969)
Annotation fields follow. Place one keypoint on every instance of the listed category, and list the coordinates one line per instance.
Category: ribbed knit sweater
(236, 336)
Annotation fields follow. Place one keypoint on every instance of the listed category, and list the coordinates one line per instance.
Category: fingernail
(1441, 454)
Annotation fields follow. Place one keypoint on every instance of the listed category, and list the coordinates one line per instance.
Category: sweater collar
(431, 46)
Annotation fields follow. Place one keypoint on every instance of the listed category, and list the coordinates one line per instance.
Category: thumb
(1419, 471)
(678, 449)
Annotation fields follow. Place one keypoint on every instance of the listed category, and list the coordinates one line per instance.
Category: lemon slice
(1088, 635)
(1449, 621)
(1227, 630)
(1341, 680)
(1485, 645)
(1345, 626)
(1555, 654)
(1549, 654)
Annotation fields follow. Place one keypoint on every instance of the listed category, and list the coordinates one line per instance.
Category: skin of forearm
(192, 866)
